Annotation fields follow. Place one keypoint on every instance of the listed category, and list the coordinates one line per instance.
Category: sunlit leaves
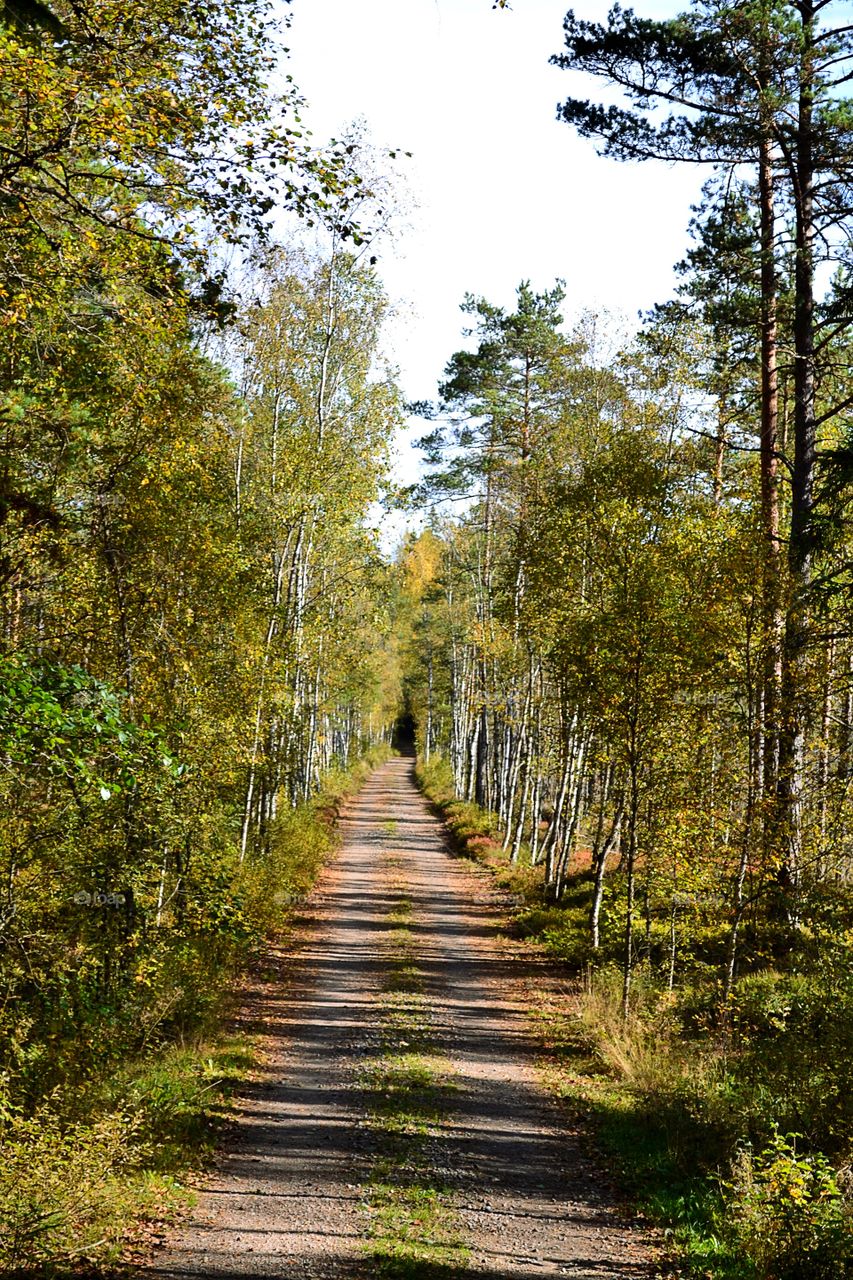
(60, 724)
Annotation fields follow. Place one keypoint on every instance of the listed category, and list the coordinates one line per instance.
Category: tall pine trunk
(794, 692)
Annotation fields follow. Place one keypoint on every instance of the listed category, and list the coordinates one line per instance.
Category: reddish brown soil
(288, 1196)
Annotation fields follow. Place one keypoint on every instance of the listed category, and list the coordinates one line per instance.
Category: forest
(620, 620)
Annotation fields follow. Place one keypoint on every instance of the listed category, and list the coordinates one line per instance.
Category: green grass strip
(414, 1230)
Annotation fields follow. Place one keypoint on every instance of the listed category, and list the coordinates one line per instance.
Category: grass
(475, 836)
(637, 1140)
(182, 1098)
(413, 1232)
(625, 1080)
(89, 1179)
(84, 1194)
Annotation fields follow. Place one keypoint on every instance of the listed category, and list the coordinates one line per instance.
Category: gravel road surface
(290, 1194)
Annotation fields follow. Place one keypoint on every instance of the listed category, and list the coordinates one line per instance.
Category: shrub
(271, 883)
(436, 780)
(57, 1188)
(793, 1041)
(76, 1170)
(788, 1214)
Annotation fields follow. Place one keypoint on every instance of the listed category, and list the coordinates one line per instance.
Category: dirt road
(399, 1128)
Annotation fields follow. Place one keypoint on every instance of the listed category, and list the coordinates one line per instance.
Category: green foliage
(129, 1110)
(178, 1099)
(788, 1214)
(193, 609)
(72, 1185)
(794, 1049)
(138, 689)
(165, 705)
(609, 630)
(68, 727)
(58, 1188)
(676, 1104)
(473, 830)
(681, 1088)
(436, 781)
(272, 884)
(111, 114)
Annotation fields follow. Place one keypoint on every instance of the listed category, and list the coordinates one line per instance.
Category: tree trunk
(772, 618)
(794, 693)
(610, 845)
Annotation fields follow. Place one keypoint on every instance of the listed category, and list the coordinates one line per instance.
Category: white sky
(504, 192)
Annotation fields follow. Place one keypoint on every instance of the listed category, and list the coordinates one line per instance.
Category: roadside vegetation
(727, 1123)
(192, 609)
(89, 1175)
(628, 646)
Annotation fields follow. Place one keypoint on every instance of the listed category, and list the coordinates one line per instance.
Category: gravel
(287, 1197)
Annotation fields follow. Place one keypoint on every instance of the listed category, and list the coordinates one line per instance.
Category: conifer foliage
(632, 647)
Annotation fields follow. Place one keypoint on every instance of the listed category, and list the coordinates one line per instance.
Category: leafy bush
(793, 1041)
(679, 1086)
(436, 780)
(788, 1214)
(476, 832)
(74, 1166)
(179, 1098)
(274, 881)
(57, 1188)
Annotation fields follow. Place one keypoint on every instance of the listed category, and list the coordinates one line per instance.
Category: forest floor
(398, 1126)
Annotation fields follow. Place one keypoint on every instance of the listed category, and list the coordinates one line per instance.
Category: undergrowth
(730, 1125)
(475, 834)
(88, 1170)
